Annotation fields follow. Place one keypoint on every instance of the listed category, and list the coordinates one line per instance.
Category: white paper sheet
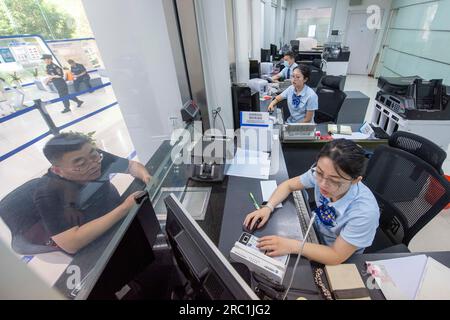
(435, 284)
(402, 274)
(49, 266)
(249, 164)
(353, 136)
(267, 189)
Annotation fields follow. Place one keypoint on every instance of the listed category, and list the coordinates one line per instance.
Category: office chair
(19, 213)
(406, 179)
(331, 99)
(316, 73)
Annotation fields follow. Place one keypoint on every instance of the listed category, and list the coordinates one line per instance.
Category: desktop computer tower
(244, 99)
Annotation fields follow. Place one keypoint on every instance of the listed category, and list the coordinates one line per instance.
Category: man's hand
(278, 246)
(270, 108)
(146, 178)
(129, 201)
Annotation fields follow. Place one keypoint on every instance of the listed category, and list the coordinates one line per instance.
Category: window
(313, 23)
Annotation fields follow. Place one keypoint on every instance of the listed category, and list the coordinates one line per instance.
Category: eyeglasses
(96, 157)
(321, 177)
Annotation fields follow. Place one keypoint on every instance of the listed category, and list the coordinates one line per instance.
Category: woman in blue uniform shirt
(347, 212)
(302, 100)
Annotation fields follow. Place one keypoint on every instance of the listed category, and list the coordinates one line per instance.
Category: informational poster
(6, 55)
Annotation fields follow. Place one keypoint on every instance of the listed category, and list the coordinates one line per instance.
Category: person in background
(56, 77)
(302, 101)
(289, 66)
(80, 75)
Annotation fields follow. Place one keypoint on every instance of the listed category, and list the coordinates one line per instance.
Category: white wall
(242, 35)
(135, 46)
(256, 29)
(212, 30)
(341, 17)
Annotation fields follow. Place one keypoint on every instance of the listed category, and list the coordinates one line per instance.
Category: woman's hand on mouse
(251, 218)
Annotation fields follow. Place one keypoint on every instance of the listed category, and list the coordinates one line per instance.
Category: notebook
(346, 282)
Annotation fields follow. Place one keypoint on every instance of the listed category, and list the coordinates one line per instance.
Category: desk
(229, 204)
(284, 222)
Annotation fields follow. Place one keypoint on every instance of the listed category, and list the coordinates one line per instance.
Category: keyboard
(303, 213)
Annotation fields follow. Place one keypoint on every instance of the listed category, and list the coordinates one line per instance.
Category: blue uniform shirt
(284, 73)
(307, 100)
(357, 214)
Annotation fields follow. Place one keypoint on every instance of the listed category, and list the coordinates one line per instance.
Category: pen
(254, 201)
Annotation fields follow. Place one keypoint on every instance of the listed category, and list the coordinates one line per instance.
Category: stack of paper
(267, 189)
(249, 163)
(414, 277)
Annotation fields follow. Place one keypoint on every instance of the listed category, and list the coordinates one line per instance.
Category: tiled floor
(435, 236)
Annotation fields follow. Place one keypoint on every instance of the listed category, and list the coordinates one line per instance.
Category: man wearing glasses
(75, 199)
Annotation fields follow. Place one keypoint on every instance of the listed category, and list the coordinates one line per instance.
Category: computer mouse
(244, 228)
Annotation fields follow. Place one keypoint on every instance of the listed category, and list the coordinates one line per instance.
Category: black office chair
(331, 99)
(406, 179)
(19, 213)
(316, 73)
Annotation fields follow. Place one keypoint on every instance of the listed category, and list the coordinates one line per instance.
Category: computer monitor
(210, 275)
(273, 50)
(265, 55)
(295, 45)
(254, 69)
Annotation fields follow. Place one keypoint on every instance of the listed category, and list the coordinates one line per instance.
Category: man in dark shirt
(56, 77)
(80, 75)
(75, 199)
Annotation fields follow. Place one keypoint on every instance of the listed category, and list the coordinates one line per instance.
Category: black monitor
(295, 45)
(265, 55)
(273, 50)
(210, 275)
(254, 69)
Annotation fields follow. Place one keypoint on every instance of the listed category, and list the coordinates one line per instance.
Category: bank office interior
(166, 53)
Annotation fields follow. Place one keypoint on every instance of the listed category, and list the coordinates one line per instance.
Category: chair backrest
(331, 99)
(19, 213)
(420, 147)
(409, 191)
(316, 73)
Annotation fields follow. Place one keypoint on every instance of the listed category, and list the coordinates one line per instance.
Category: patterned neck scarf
(326, 213)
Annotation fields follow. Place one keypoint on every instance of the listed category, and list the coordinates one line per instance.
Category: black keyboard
(304, 216)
